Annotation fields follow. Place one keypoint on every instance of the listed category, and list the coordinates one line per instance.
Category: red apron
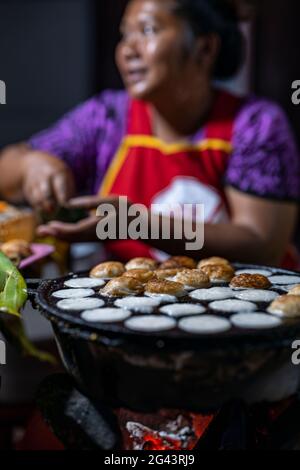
(149, 171)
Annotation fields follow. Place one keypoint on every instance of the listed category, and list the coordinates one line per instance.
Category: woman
(171, 137)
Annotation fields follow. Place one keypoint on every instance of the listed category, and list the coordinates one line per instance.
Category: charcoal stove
(79, 424)
(173, 369)
(145, 373)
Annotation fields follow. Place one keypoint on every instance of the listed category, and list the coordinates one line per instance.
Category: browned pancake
(250, 281)
(142, 275)
(193, 278)
(141, 263)
(286, 306)
(108, 270)
(218, 273)
(213, 260)
(121, 286)
(165, 287)
(179, 262)
(166, 273)
(295, 290)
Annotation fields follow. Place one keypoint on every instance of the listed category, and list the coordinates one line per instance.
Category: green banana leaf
(13, 296)
(13, 290)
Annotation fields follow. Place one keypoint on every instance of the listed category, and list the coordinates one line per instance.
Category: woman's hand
(47, 181)
(82, 231)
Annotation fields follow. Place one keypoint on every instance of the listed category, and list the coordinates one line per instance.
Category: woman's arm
(259, 232)
(39, 178)
(41, 170)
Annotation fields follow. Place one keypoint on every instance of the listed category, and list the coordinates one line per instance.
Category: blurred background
(56, 53)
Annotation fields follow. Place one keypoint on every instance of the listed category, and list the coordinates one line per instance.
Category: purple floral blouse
(265, 160)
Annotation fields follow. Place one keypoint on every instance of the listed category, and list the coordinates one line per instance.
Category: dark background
(53, 55)
(56, 53)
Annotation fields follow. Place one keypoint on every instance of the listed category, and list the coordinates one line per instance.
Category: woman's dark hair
(219, 17)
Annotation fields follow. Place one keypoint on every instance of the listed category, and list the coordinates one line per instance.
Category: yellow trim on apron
(145, 141)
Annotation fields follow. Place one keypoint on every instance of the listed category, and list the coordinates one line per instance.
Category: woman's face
(152, 53)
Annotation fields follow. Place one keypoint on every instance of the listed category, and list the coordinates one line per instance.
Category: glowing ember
(144, 438)
(179, 433)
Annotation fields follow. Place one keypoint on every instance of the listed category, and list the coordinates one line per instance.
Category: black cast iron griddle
(71, 322)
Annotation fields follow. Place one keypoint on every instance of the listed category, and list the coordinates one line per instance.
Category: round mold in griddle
(86, 303)
(233, 306)
(72, 293)
(150, 323)
(285, 280)
(84, 283)
(205, 324)
(257, 295)
(138, 304)
(182, 310)
(105, 315)
(255, 321)
(212, 294)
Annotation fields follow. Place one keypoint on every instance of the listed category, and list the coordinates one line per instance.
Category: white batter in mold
(204, 324)
(163, 298)
(106, 315)
(84, 282)
(214, 293)
(284, 280)
(80, 304)
(257, 295)
(233, 306)
(255, 320)
(73, 293)
(150, 323)
(181, 310)
(138, 304)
